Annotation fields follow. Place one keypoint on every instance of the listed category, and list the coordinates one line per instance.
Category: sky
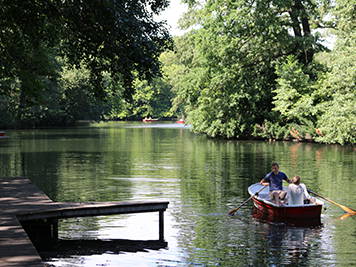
(172, 15)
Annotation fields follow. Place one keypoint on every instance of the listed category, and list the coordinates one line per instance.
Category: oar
(346, 215)
(348, 210)
(233, 211)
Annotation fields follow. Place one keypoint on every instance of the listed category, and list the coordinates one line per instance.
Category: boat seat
(264, 195)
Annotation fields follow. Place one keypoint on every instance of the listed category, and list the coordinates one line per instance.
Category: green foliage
(293, 98)
(110, 38)
(247, 69)
(272, 131)
(226, 77)
(78, 99)
(151, 99)
(114, 36)
(7, 110)
(63, 101)
(337, 121)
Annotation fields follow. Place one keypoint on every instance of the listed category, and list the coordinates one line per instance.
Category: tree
(108, 36)
(294, 100)
(151, 99)
(337, 111)
(228, 81)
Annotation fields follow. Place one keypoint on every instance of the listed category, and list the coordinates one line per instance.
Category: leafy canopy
(118, 37)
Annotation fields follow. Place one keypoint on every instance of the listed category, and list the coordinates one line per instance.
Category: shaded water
(202, 178)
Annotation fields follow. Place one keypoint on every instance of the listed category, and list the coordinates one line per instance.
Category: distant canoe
(181, 121)
(3, 134)
(149, 120)
(284, 212)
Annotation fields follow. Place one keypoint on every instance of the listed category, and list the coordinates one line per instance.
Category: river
(202, 179)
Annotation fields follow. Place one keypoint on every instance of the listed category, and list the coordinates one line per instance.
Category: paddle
(346, 215)
(233, 211)
(348, 210)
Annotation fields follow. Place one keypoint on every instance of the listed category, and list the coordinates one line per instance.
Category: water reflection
(202, 179)
(289, 243)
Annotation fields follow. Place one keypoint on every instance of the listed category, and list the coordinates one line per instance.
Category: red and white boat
(283, 212)
(181, 121)
(3, 134)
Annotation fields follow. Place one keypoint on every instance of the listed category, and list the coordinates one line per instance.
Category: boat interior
(265, 197)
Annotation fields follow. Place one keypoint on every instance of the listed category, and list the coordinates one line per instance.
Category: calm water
(202, 179)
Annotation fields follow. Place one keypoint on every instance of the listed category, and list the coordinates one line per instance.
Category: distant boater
(275, 181)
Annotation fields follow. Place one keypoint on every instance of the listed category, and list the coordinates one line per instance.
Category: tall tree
(113, 36)
(236, 44)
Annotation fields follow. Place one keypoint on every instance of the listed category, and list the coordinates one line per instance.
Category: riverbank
(291, 135)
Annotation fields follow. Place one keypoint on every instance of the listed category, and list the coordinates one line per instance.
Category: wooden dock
(26, 213)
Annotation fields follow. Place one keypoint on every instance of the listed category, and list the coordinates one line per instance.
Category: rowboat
(284, 212)
(149, 120)
(181, 121)
(3, 134)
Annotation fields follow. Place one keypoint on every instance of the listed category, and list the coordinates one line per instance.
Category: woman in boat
(297, 192)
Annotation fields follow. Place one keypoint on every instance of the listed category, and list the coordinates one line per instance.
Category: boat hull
(150, 120)
(265, 217)
(288, 213)
(3, 135)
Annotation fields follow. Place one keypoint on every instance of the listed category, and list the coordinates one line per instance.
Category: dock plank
(18, 195)
(16, 248)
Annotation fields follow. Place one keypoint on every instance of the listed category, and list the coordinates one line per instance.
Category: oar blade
(346, 209)
(346, 215)
(232, 212)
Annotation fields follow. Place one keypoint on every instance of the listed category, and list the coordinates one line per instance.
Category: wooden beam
(94, 209)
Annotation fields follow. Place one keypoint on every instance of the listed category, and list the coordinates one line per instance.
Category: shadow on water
(67, 248)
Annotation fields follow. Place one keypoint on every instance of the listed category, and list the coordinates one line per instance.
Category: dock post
(54, 230)
(161, 225)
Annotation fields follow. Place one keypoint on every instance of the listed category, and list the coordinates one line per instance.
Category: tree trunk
(300, 18)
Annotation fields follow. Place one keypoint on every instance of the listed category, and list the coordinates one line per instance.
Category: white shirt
(296, 194)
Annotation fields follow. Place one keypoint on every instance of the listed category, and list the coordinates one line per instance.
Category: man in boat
(275, 181)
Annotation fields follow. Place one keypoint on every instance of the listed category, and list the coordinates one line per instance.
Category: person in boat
(297, 192)
(275, 181)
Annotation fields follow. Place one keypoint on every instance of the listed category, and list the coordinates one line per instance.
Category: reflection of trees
(201, 177)
(344, 238)
(72, 164)
(214, 171)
